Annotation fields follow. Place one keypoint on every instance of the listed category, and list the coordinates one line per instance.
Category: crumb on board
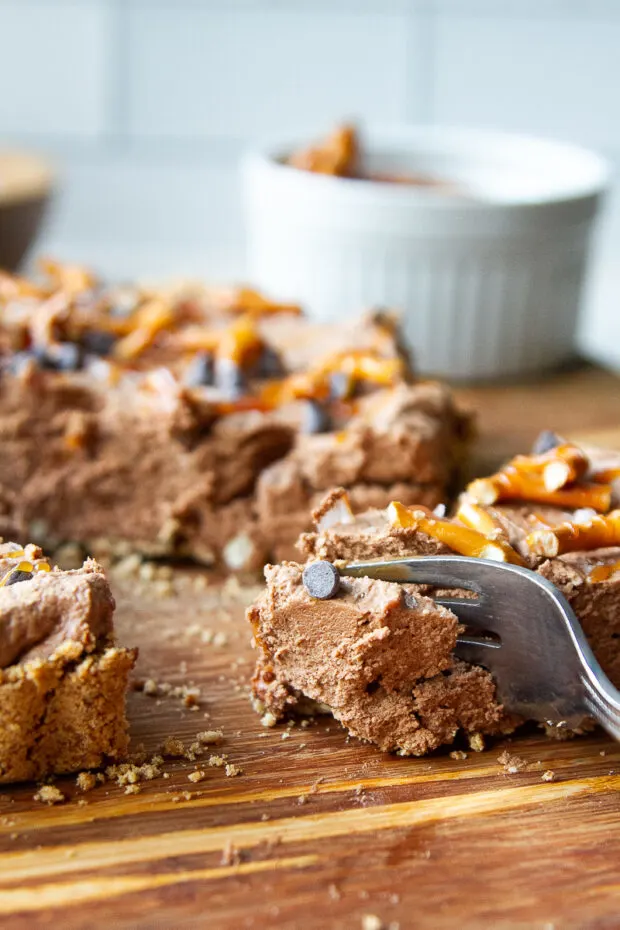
(198, 775)
(549, 775)
(128, 773)
(268, 719)
(217, 761)
(49, 794)
(183, 796)
(231, 855)
(210, 737)
(372, 922)
(189, 694)
(173, 748)
(86, 781)
(476, 741)
(232, 770)
(512, 763)
(458, 755)
(132, 789)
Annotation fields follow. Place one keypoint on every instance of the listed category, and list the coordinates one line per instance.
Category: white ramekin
(489, 284)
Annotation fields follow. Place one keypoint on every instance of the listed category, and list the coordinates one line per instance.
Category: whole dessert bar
(379, 655)
(63, 681)
(203, 423)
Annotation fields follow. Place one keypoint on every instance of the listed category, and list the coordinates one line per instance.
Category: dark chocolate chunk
(199, 372)
(63, 356)
(20, 361)
(315, 419)
(229, 378)
(321, 580)
(340, 386)
(545, 442)
(269, 364)
(123, 301)
(16, 576)
(98, 342)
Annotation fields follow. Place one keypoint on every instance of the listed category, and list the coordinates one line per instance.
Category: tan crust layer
(64, 713)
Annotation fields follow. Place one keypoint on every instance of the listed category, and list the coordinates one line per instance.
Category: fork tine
(467, 610)
(475, 654)
(444, 571)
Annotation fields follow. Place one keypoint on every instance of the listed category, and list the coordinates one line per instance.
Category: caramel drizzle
(597, 533)
(603, 572)
(461, 539)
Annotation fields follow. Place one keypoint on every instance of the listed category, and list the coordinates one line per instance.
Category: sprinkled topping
(248, 301)
(14, 576)
(315, 418)
(599, 532)
(69, 321)
(199, 372)
(476, 518)
(321, 580)
(21, 572)
(536, 477)
(461, 539)
(505, 487)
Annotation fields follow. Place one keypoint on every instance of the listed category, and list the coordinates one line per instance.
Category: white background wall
(146, 104)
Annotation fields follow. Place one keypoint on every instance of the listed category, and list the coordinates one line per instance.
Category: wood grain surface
(320, 831)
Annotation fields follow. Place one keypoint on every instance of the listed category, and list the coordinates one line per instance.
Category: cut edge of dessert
(63, 677)
(379, 655)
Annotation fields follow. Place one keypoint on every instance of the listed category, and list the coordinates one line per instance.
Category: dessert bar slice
(203, 423)
(63, 680)
(380, 655)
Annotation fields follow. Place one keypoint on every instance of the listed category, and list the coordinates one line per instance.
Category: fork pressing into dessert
(522, 629)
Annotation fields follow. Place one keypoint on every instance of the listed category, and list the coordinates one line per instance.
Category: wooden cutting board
(320, 831)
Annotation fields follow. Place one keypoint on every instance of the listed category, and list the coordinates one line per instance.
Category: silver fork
(522, 630)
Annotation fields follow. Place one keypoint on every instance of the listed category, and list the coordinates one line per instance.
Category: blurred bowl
(488, 270)
(25, 189)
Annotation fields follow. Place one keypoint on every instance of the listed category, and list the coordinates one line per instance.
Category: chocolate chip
(20, 361)
(315, 418)
(123, 301)
(229, 378)
(17, 576)
(199, 372)
(269, 364)
(321, 580)
(98, 341)
(64, 356)
(340, 386)
(545, 442)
